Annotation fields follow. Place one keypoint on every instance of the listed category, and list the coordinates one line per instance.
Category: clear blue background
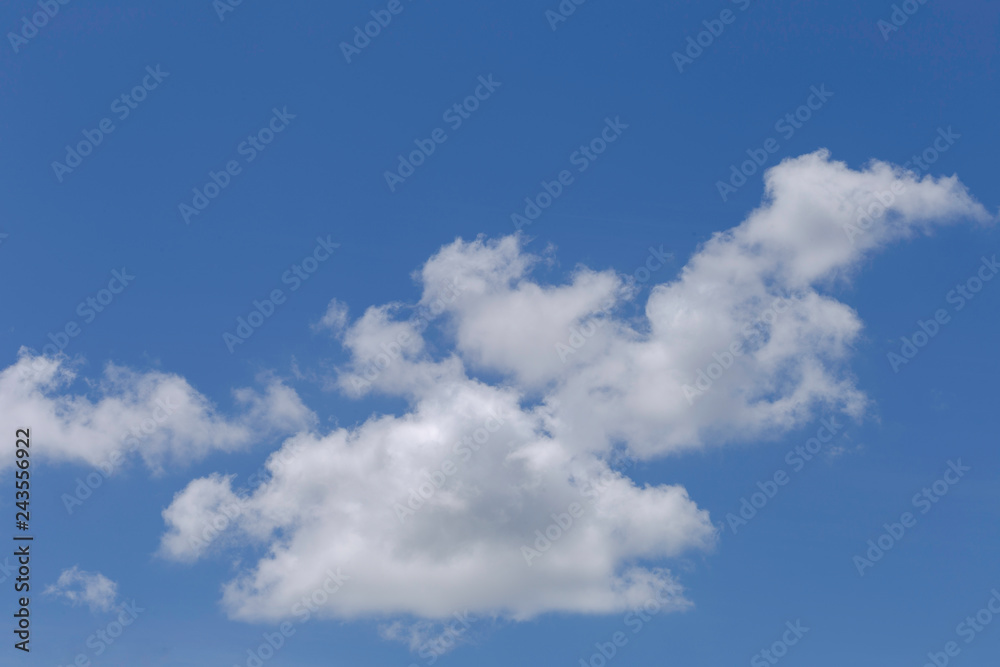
(324, 175)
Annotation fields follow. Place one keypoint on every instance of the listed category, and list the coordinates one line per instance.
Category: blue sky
(316, 196)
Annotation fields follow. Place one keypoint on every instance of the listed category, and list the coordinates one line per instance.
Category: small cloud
(430, 638)
(335, 319)
(837, 451)
(90, 588)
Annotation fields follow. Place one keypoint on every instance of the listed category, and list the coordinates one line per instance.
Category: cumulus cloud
(494, 492)
(85, 588)
(159, 415)
(432, 512)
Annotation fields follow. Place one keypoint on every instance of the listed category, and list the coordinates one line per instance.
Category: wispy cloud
(92, 589)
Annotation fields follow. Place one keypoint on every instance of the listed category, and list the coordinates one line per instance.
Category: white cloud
(463, 550)
(157, 414)
(430, 640)
(335, 318)
(198, 516)
(85, 588)
(334, 501)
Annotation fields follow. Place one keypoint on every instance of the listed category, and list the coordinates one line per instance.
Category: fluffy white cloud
(433, 512)
(671, 380)
(85, 588)
(446, 508)
(159, 415)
